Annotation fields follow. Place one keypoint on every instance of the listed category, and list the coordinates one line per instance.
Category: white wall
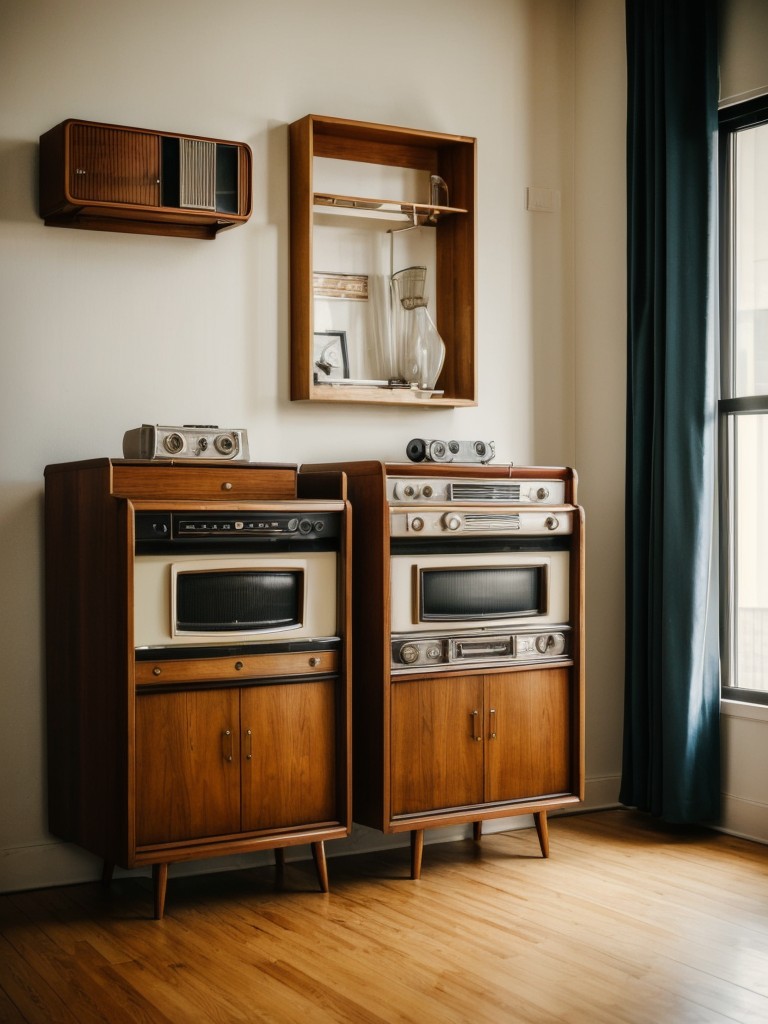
(100, 332)
(599, 274)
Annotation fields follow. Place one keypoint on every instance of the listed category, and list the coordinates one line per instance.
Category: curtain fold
(671, 760)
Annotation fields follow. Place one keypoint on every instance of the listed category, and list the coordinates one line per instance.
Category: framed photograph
(330, 357)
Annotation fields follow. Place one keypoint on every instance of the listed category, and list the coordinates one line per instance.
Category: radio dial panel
(465, 521)
(475, 650)
(443, 491)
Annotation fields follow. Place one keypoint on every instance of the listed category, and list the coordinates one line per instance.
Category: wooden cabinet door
(113, 165)
(288, 743)
(436, 743)
(528, 745)
(187, 765)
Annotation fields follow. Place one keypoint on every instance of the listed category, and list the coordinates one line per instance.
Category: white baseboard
(49, 863)
(747, 819)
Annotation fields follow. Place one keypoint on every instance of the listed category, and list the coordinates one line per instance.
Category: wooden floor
(626, 922)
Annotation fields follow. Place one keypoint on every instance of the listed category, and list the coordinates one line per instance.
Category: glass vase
(420, 349)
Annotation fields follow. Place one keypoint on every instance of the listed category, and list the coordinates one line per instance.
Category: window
(743, 408)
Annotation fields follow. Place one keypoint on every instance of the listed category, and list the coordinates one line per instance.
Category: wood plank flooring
(628, 922)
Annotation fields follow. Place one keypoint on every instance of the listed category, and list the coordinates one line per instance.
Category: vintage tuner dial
(409, 653)
(174, 443)
(452, 521)
(550, 643)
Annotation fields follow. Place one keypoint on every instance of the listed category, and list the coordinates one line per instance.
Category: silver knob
(174, 443)
(417, 524)
(427, 491)
(452, 521)
(551, 522)
(542, 493)
(409, 653)
(550, 643)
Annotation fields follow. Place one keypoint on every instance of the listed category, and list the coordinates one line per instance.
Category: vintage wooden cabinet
(163, 754)
(467, 718)
(113, 178)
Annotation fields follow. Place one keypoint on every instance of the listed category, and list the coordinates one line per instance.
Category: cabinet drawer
(199, 670)
(203, 483)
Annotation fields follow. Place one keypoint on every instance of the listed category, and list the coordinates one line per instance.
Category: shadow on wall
(18, 173)
(22, 681)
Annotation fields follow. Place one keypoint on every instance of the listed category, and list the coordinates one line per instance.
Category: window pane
(751, 598)
(751, 251)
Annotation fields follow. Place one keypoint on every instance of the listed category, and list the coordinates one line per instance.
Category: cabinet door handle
(492, 723)
(226, 745)
(476, 733)
(248, 745)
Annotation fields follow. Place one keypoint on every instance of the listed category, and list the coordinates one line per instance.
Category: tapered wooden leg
(279, 864)
(318, 854)
(417, 849)
(540, 818)
(160, 883)
(477, 831)
(106, 872)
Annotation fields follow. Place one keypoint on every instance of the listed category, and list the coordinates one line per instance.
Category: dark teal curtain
(671, 762)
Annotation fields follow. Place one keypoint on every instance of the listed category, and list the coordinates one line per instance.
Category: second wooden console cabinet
(459, 717)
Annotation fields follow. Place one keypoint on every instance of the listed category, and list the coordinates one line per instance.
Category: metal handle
(226, 745)
(476, 734)
(492, 723)
(249, 745)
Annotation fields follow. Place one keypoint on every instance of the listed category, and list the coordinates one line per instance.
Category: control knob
(409, 653)
(550, 643)
(452, 521)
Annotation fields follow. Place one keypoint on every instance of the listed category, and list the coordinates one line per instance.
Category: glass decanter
(419, 348)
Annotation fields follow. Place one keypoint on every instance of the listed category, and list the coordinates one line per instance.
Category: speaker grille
(197, 174)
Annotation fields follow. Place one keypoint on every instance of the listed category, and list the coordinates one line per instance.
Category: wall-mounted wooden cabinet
(355, 187)
(111, 178)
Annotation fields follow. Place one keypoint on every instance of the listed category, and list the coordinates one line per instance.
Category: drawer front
(204, 483)
(200, 670)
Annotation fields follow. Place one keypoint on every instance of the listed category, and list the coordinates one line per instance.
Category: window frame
(732, 119)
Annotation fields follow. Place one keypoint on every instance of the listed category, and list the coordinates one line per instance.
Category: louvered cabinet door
(187, 765)
(114, 165)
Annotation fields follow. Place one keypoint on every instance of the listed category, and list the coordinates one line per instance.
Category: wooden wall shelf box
(108, 177)
(150, 757)
(376, 146)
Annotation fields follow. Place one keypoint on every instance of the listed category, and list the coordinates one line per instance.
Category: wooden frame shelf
(453, 158)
